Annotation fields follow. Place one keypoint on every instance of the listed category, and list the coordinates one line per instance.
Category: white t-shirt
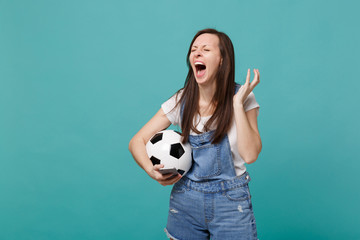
(175, 119)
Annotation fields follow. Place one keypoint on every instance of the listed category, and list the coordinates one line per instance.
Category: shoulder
(170, 103)
(171, 107)
(178, 94)
(175, 98)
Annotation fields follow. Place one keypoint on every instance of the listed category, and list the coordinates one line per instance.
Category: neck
(207, 92)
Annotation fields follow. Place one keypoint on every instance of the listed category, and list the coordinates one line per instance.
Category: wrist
(238, 105)
(148, 169)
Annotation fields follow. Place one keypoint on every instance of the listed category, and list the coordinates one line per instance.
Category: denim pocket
(238, 194)
(178, 188)
(207, 161)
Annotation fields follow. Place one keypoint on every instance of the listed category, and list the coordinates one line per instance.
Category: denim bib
(210, 161)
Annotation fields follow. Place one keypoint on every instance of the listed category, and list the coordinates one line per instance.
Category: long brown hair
(223, 96)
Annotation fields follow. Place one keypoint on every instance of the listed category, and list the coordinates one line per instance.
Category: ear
(221, 61)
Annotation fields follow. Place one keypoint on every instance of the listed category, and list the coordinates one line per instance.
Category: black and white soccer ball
(165, 147)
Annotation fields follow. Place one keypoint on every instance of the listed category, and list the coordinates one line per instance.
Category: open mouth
(200, 69)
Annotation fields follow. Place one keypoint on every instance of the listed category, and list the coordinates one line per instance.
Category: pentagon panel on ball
(165, 147)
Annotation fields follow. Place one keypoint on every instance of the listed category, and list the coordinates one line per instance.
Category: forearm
(138, 150)
(248, 140)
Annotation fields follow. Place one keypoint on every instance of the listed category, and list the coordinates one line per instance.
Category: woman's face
(205, 58)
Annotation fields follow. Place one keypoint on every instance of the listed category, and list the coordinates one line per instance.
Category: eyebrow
(197, 46)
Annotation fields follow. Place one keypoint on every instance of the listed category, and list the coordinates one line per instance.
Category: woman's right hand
(163, 179)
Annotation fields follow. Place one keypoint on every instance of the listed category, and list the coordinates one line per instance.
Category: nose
(197, 52)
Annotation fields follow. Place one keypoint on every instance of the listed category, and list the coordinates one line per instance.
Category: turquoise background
(79, 78)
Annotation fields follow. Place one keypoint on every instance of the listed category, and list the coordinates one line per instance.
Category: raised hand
(246, 89)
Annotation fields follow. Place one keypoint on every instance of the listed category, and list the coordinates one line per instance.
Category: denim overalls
(210, 201)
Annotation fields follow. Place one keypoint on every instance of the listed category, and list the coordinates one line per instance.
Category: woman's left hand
(246, 89)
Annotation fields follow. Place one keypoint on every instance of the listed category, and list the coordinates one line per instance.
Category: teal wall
(79, 78)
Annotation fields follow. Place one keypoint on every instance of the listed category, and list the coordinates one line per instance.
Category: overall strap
(237, 87)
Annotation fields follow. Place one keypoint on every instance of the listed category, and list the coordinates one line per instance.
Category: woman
(219, 119)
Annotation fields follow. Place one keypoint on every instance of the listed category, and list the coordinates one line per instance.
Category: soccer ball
(165, 147)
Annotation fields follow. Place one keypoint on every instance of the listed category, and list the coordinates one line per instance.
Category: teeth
(198, 63)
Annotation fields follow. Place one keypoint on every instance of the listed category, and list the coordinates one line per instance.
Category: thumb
(158, 166)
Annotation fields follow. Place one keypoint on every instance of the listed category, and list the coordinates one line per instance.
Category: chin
(204, 80)
(201, 81)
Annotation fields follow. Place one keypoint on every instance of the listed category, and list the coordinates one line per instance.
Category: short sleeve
(251, 103)
(168, 107)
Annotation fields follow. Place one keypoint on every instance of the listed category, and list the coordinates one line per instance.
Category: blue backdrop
(79, 78)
